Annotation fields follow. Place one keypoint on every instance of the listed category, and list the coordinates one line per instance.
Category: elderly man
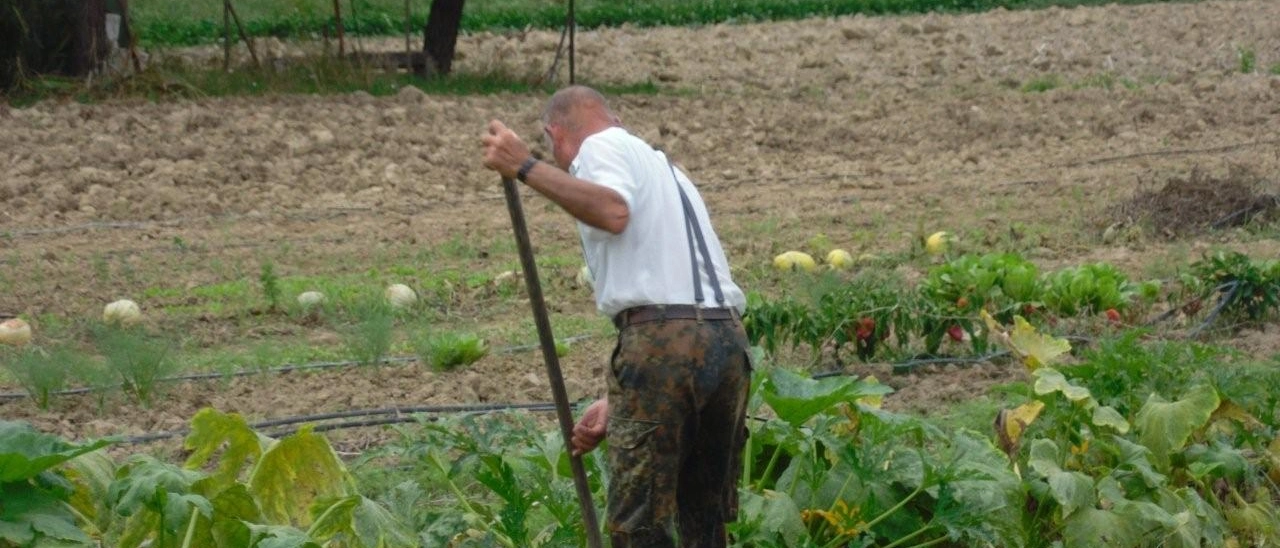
(679, 375)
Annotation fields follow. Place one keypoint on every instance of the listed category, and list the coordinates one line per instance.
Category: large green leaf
(278, 536)
(232, 507)
(771, 515)
(796, 398)
(91, 474)
(981, 500)
(1049, 380)
(1071, 490)
(293, 473)
(157, 498)
(1107, 416)
(1139, 460)
(361, 522)
(1164, 427)
(29, 515)
(1094, 528)
(24, 452)
(1205, 518)
(145, 483)
(213, 431)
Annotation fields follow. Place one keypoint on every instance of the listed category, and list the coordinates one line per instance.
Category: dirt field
(868, 130)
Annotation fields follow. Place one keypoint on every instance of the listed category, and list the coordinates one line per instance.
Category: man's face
(557, 140)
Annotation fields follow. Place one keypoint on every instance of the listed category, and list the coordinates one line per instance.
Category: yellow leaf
(1037, 349)
(1021, 417)
(1011, 423)
(874, 401)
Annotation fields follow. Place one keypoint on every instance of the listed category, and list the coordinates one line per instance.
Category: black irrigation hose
(1174, 310)
(399, 415)
(8, 396)
(1226, 299)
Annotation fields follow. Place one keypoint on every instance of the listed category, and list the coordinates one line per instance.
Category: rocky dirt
(864, 129)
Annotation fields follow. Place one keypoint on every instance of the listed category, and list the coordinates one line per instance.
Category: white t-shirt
(648, 263)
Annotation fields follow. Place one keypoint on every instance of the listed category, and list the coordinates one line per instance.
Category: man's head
(573, 114)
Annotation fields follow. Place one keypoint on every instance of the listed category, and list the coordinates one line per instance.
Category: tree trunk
(67, 37)
(441, 35)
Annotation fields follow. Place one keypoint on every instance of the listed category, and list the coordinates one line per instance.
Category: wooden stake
(551, 360)
(243, 35)
(337, 21)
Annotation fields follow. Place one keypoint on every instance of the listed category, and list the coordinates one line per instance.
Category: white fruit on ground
(795, 260)
(15, 332)
(839, 259)
(400, 296)
(584, 277)
(122, 312)
(936, 243)
(309, 299)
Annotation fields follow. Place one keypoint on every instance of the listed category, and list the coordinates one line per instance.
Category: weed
(140, 360)
(369, 339)
(1275, 69)
(1042, 84)
(270, 285)
(448, 351)
(1248, 59)
(41, 373)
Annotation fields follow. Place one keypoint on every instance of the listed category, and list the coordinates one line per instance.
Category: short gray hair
(565, 100)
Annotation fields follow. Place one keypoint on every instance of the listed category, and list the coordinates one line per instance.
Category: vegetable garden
(1042, 311)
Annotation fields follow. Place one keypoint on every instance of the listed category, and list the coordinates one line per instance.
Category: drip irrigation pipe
(399, 415)
(1226, 299)
(284, 369)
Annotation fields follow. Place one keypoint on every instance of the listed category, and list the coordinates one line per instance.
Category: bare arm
(595, 205)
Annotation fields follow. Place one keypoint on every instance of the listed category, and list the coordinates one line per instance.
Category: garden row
(202, 23)
(875, 312)
(1136, 444)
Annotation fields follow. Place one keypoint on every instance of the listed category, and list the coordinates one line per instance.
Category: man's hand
(503, 150)
(589, 431)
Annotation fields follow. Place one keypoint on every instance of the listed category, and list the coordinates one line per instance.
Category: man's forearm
(595, 205)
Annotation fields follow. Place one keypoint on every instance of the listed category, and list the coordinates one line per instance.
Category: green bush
(448, 351)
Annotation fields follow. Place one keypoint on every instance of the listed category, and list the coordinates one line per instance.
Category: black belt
(659, 312)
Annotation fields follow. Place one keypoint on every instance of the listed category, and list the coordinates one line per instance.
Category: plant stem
(768, 469)
(885, 515)
(191, 527)
(96, 531)
(938, 540)
(914, 534)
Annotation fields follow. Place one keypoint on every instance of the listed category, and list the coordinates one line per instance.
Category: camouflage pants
(677, 401)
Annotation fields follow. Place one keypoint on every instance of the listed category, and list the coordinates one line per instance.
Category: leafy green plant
(1248, 59)
(40, 372)
(138, 359)
(491, 480)
(1249, 289)
(1088, 289)
(270, 285)
(1173, 470)
(841, 472)
(35, 510)
(448, 351)
(1002, 283)
(1042, 84)
(97, 376)
(368, 339)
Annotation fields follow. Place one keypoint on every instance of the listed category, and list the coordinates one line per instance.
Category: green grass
(315, 76)
(1248, 60)
(1042, 84)
(1275, 69)
(165, 22)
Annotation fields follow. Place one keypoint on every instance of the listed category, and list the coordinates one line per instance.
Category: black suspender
(693, 231)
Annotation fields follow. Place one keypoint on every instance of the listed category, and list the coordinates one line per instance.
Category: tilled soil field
(863, 129)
